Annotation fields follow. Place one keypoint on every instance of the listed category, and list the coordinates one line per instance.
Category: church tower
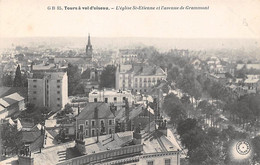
(89, 50)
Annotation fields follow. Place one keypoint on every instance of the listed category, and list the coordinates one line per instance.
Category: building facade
(96, 118)
(139, 78)
(48, 90)
(11, 104)
(117, 98)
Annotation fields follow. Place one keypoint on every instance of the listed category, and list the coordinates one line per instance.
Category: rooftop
(251, 81)
(10, 99)
(153, 142)
(147, 70)
(103, 111)
(109, 92)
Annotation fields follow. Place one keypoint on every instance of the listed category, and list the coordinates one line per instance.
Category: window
(66, 130)
(58, 81)
(93, 123)
(86, 123)
(34, 98)
(124, 98)
(136, 79)
(34, 92)
(110, 131)
(81, 127)
(167, 161)
(86, 132)
(34, 80)
(34, 86)
(58, 86)
(58, 105)
(150, 162)
(93, 132)
(110, 122)
(95, 100)
(58, 99)
(106, 99)
(58, 92)
(115, 99)
(101, 122)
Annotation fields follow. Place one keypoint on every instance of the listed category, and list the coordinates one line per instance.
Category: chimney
(137, 136)
(25, 156)
(97, 122)
(80, 143)
(162, 126)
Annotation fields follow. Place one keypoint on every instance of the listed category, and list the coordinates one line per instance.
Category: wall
(37, 98)
(89, 126)
(105, 155)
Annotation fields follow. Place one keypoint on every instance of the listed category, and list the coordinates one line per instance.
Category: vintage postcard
(138, 82)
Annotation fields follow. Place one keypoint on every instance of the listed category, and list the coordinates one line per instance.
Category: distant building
(89, 51)
(139, 78)
(82, 61)
(248, 66)
(128, 56)
(96, 117)
(252, 84)
(117, 98)
(11, 104)
(49, 89)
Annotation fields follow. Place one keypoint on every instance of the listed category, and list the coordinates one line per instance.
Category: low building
(97, 117)
(117, 98)
(252, 85)
(11, 104)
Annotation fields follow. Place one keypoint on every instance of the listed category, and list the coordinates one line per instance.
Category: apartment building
(48, 89)
(139, 78)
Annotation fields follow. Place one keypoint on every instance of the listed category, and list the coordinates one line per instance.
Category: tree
(73, 78)
(256, 146)
(7, 80)
(11, 137)
(18, 77)
(174, 108)
(107, 78)
(186, 125)
(172, 74)
(86, 74)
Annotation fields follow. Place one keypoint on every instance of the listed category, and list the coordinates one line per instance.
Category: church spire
(89, 49)
(89, 39)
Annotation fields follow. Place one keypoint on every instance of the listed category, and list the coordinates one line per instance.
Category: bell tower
(89, 50)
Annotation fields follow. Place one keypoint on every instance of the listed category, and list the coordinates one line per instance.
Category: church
(83, 61)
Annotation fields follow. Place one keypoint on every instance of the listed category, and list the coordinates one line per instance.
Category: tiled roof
(146, 70)
(10, 99)
(103, 111)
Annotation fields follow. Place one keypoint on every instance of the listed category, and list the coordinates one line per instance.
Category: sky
(224, 19)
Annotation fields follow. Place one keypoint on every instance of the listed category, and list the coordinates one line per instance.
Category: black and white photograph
(129, 82)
